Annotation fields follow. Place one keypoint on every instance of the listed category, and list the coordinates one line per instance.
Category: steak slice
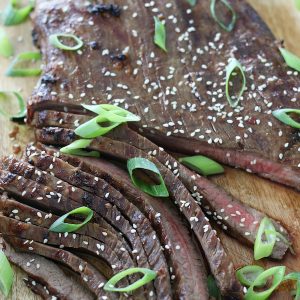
(38, 288)
(180, 95)
(47, 272)
(91, 185)
(182, 253)
(219, 263)
(240, 220)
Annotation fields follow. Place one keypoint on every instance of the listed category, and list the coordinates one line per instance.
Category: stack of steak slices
(180, 97)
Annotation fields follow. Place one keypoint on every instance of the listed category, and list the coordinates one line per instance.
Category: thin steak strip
(220, 264)
(47, 272)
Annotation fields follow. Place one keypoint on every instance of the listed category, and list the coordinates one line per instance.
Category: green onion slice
(192, 2)
(60, 226)
(228, 27)
(22, 106)
(248, 274)
(156, 190)
(13, 14)
(276, 272)
(116, 114)
(14, 71)
(292, 60)
(213, 290)
(160, 34)
(202, 165)
(231, 67)
(76, 148)
(295, 276)
(149, 275)
(265, 239)
(6, 275)
(283, 116)
(297, 3)
(54, 40)
(93, 128)
(6, 48)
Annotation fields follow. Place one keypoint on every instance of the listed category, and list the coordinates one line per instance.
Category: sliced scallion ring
(76, 148)
(228, 27)
(93, 128)
(265, 239)
(276, 272)
(213, 290)
(116, 114)
(202, 165)
(15, 71)
(283, 116)
(296, 277)
(6, 48)
(248, 274)
(160, 34)
(149, 275)
(6, 275)
(60, 226)
(156, 190)
(22, 106)
(292, 60)
(54, 40)
(14, 15)
(231, 67)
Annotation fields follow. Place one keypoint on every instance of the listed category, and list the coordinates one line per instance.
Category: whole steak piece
(180, 94)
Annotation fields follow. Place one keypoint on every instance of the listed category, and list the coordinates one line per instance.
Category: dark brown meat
(47, 272)
(240, 220)
(182, 254)
(179, 94)
(38, 288)
(219, 262)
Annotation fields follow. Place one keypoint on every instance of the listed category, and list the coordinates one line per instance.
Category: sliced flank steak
(180, 95)
(219, 262)
(47, 273)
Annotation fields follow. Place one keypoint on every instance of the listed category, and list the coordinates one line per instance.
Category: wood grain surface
(279, 202)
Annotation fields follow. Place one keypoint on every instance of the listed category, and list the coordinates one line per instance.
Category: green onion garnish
(149, 275)
(295, 276)
(192, 2)
(156, 190)
(282, 115)
(76, 148)
(6, 275)
(231, 67)
(265, 239)
(248, 274)
(22, 106)
(292, 60)
(213, 290)
(14, 71)
(13, 14)
(203, 165)
(297, 3)
(276, 272)
(109, 117)
(227, 27)
(6, 48)
(60, 226)
(117, 114)
(54, 40)
(160, 34)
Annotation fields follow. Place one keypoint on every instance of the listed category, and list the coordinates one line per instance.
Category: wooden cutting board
(279, 202)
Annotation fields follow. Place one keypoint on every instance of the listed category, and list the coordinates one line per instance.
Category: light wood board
(279, 202)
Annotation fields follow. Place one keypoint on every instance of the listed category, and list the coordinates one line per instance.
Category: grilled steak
(47, 272)
(181, 252)
(180, 95)
(218, 260)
